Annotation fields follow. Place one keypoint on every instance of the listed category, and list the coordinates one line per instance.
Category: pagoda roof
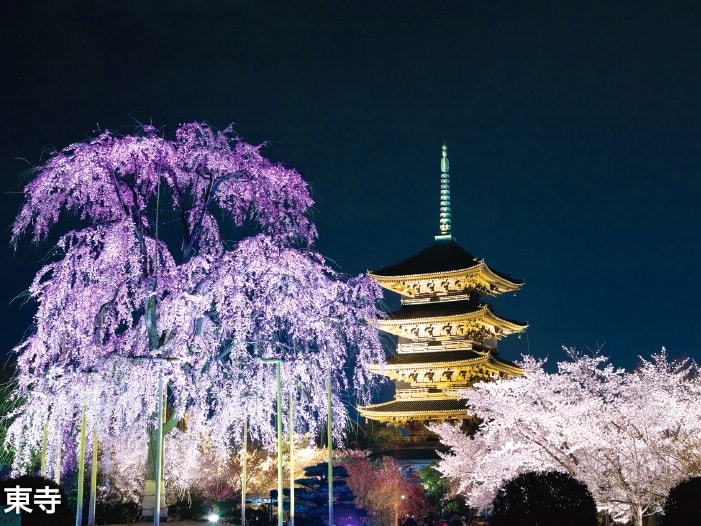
(443, 356)
(421, 405)
(434, 309)
(478, 366)
(405, 410)
(441, 256)
(448, 357)
(442, 309)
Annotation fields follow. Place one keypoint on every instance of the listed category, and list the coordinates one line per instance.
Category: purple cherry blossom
(193, 257)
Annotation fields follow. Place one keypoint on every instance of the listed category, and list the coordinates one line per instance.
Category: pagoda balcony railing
(429, 440)
(432, 296)
(449, 345)
(424, 393)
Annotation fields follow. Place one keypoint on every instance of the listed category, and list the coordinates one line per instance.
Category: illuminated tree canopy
(381, 489)
(629, 436)
(193, 255)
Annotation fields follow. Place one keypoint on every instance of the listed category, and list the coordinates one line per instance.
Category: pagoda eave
(483, 361)
(479, 277)
(376, 412)
(452, 327)
(447, 376)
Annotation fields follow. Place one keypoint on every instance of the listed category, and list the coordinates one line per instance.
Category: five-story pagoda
(446, 335)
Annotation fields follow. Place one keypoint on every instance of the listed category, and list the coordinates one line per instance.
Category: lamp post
(81, 471)
(329, 431)
(81, 476)
(329, 440)
(244, 475)
(279, 439)
(43, 447)
(159, 450)
(292, 465)
(93, 481)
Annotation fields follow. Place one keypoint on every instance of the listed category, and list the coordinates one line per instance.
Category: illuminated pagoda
(446, 335)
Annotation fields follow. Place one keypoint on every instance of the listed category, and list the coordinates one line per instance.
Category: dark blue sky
(573, 128)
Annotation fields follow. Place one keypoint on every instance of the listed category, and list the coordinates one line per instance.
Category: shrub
(114, 511)
(546, 498)
(683, 504)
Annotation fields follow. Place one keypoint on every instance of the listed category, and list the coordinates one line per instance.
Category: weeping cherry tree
(189, 258)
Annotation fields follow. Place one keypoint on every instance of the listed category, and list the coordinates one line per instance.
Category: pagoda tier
(471, 324)
(404, 412)
(445, 371)
(443, 271)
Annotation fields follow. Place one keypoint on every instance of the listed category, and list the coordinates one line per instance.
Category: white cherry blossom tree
(630, 436)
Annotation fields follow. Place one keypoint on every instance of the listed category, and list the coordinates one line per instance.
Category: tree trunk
(148, 502)
(637, 516)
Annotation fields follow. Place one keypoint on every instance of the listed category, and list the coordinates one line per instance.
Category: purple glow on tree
(157, 269)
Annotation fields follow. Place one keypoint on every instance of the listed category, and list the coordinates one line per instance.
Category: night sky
(573, 132)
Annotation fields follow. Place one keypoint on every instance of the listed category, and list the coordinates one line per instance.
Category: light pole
(244, 476)
(279, 439)
(43, 446)
(329, 430)
(93, 481)
(81, 475)
(292, 465)
(329, 440)
(81, 471)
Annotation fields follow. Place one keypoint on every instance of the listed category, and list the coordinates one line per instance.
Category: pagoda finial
(444, 221)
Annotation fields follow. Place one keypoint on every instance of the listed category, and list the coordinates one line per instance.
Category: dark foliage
(193, 508)
(544, 499)
(111, 511)
(374, 436)
(683, 504)
(313, 492)
(439, 495)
